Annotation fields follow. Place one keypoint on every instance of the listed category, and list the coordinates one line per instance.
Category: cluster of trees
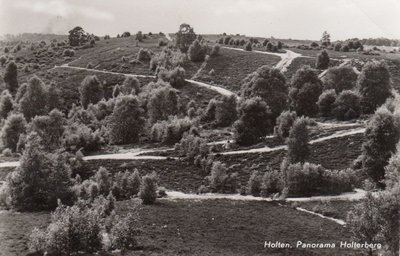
(251, 43)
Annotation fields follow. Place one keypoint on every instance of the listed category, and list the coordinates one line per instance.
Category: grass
(209, 227)
(232, 66)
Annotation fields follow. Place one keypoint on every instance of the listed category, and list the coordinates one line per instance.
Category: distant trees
(326, 39)
(374, 85)
(269, 84)
(340, 78)
(184, 37)
(33, 102)
(305, 90)
(255, 121)
(297, 142)
(126, 121)
(77, 36)
(381, 137)
(322, 61)
(10, 77)
(91, 91)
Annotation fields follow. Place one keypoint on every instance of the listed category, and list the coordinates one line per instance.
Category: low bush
(192, 146)
(254, 184)
(215, 50)
(77, 136)
(271, 183)
(220, 181)
(347, 105)
(248, 47)
(126, 184)
(144, 54)
(148, 188)
(171, 130)
(13, 128)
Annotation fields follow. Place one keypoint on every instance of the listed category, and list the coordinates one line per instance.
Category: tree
(33, 102)
(77, 36)
(255, 121)
(127, 120)
(305, 90)
(392, 170)
(49, 129)
(284, 123)
(14, 126)
(326, 39)
(41, 179)
(325, 102)
(91, 91)
(139, 36)
(340, 78)
(225, 111)
(374, 85)
(197, 51)
(163, 103)
(322, 61)
(184, 37)
(279, 45)
(148, 189)
(347, 105)
(297, 142)
(269, 84)
(10, 77)
(248, 47)
(53, 97)
(381, 136)
(6, 104)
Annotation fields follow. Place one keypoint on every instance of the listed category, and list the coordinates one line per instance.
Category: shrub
(6, 104)
(254, 184)
(53, 97)
(126, 121)
(68, 53)
(209, 113)
(325, 102)
(220, 181)
(91, 91)
(344, 48)
(192, 146)
(337, 47)
(163, 102)
(167, 59)
(298, 149)
(284, 123)
(347, 105)
(49, 129)
(305, 91)
(176, 77)
(148, 188)
(381, 136)
(269, 84)
(33, 102)
(374, 85)
(322, 61)
(126, 184)
(171, 130)
(314, 44)
(271, 183)
(131, 85)
(144, 55)
(40, 180)
(77, 36)
(78, 135)
(225, 111)
(197, 51)
(3, 60)
(139, 36)
(340, 78)
(248, 47)
(14, 126)
(215, 50)
(124, 232)
(255, 121)
(162, 43)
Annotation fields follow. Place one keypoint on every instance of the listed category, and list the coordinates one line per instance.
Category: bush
(91, 91)
(126, 121)
(220, 181)
(144, 55)
(271, 183)
(171, 130)
(374, 85)
(6, 104)
(124, 232)
(284, 123)
(167, 59)
(298, 149)
(14, 126)
(197, 51)
(3, 60)
(191, 147)
(68, 53)
(185, 37)
(254, 184)
(248, 47)
(255, 121)
(162, 43)
(33, 102)
(310, 179)
(381, 136)
(314, 45)
(225, 111)
(326, 102)
(139, 36)
(126, 184)
(131, 85)
(322, 61)
(148, 189)
(269, 84)
(78, 135)
(215, 50)
(340, 78)
(344, 48)
(41, 179)
(163, 102)
(305, 91)
(347, 105)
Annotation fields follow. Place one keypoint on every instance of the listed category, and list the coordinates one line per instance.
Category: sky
(296, 19)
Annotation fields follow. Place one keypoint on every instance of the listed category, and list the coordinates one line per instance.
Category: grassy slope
(211, 227)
